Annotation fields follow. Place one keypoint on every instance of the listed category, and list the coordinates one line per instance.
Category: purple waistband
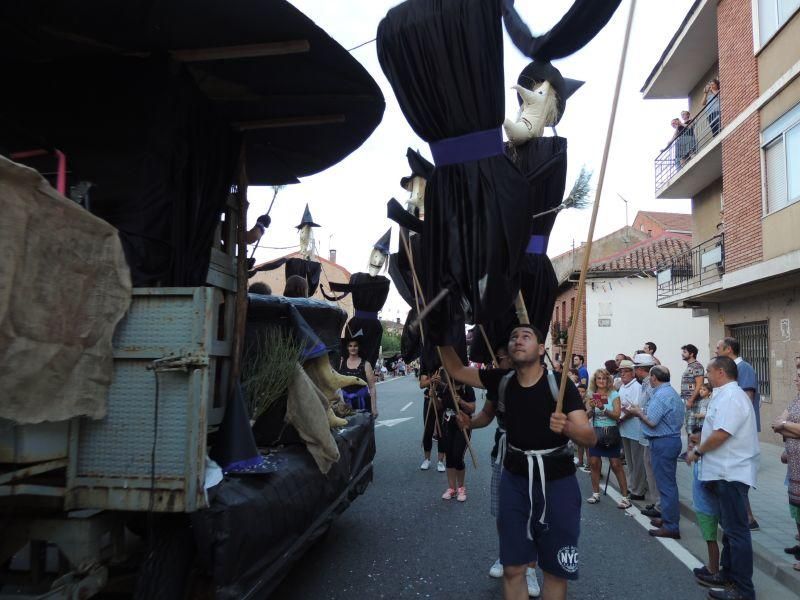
(537, 244)
(466, 148)
(365, 314)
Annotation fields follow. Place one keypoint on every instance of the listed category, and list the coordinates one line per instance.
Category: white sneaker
(533, 583)
(440, 467)
(576, 461)
(497, 570)
(426, 464)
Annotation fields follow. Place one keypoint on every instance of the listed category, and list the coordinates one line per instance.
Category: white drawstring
(501, 448)
(529, 454)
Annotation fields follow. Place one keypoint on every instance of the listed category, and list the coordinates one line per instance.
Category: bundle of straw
(268, 368)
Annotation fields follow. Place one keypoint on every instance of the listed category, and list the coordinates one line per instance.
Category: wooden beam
(244, 51)
(289, 122)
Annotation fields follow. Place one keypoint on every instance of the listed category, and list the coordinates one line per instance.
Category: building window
(772, 14)
(782, 160)
(563, 312)
(754, 348)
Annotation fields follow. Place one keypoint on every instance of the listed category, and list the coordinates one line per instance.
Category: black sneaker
(701, 571)
(793, 550)
(652, 513)
(649, 506)
(754, 525)
(636, 497)
(712, 580)
(729, 593)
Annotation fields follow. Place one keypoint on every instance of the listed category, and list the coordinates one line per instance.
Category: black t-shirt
(464, 392)
(527, 421)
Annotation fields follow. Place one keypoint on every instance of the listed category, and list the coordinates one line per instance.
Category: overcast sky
(349, 199)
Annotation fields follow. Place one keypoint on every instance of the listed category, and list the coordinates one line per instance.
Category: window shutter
(776, 176)
(792, 141)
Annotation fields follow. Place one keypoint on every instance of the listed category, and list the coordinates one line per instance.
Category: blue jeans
(664, 453)
(737, 546)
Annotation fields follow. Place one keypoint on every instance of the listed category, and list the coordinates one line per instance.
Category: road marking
(390, 380)
(406, 406)
(674, 546)
(392, 422)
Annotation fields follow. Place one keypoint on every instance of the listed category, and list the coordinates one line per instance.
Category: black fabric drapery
(544, 163)
(444, 61)
(309, 269)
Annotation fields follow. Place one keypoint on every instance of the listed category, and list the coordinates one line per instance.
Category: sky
(349, 199)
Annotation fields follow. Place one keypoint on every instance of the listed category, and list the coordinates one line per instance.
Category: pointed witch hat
(383, 243)
(538, 71)
(420, 167)
(307, 220)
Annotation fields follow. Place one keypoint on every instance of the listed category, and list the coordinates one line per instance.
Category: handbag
(607, 437)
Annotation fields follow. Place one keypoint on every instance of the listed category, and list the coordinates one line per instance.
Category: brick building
(739, 162)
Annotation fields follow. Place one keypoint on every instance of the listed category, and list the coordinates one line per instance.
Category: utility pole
(621, 197)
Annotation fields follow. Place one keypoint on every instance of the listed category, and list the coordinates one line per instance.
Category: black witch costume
(444, 61)
(369, 295)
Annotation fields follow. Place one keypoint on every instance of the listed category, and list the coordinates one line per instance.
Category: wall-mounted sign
(604, 322)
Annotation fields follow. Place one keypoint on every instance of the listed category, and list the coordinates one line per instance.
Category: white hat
(644, 360)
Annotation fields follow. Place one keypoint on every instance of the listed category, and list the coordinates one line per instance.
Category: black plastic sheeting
(320, 86)
(258, 526)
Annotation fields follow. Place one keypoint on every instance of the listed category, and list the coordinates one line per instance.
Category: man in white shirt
(631, 431)
(729, 454)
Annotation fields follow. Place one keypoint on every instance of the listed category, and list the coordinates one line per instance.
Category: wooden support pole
(576, 312)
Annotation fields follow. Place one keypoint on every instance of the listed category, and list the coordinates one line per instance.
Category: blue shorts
(554, 546)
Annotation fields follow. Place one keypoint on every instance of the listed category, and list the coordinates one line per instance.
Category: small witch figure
(369, 291)
(303, 266)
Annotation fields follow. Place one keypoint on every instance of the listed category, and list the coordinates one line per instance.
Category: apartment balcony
(693, 160)
(688, 279)
(691, 52)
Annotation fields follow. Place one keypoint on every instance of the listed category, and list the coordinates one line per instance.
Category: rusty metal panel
(149, 452)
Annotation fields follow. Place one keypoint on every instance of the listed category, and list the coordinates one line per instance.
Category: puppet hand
(264, 221)
(558, 421)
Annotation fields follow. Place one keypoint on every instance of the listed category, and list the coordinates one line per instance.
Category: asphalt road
(401, 541)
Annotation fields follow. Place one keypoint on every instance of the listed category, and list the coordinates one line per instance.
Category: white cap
(644, 360)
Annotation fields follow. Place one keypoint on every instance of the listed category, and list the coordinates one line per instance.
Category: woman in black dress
(358, 397)
(453, 440)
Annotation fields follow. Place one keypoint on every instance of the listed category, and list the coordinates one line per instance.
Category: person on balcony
(711, 100)
(689, 140)
(676, 143)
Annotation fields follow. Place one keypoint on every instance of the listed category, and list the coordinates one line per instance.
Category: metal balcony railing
(698, 133)
(702, 265)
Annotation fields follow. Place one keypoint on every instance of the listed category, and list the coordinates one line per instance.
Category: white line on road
(406, 406)
(678, 551)
(392, 422)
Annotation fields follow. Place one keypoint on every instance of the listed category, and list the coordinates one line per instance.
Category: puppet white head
(377, 260)
(416, 201)
(306, 242)
(539, 109)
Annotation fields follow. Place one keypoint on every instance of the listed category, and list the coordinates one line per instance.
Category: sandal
(796, 566)
(594, 498)
(624, 503)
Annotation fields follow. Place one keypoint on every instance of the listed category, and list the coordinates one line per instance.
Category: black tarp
(257, 526)
(305, 76)
(444, 61)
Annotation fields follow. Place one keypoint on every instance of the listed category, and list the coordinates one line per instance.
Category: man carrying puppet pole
(540, 502)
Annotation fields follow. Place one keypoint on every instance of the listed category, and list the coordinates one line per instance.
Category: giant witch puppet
(369, 291)
(444, 61)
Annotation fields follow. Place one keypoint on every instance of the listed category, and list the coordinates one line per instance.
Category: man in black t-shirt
(536, 445)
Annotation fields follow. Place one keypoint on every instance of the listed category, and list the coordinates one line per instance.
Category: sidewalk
(770, 505)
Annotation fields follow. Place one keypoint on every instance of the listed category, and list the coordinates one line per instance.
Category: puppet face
(417, 197)
(539, 109)
(306, 242)
(376, 261)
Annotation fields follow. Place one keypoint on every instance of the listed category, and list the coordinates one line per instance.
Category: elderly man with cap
(631, 431)
(642, 364)
(662, 421)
